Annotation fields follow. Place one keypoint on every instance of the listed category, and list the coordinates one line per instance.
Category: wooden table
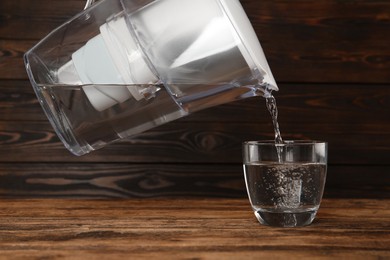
(172, 228)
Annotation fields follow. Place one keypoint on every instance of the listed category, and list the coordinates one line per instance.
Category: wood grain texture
(330, 58)
(187, 142)
(121, 180)
(354, 119)
(330, 103)
(187, 229)
(323, 41)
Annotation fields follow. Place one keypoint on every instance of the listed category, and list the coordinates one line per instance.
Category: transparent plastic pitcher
(122, 67)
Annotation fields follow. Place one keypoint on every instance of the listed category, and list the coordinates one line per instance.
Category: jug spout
(122, 67)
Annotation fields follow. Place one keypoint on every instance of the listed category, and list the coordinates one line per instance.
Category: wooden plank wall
(331, 60)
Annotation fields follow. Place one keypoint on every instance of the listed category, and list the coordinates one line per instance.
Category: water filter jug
(122, 67)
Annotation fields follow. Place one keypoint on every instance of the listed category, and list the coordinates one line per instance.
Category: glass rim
(285, 142)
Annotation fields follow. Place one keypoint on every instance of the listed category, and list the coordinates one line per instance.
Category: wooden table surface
(198, 228)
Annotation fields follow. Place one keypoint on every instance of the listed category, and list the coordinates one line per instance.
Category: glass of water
(285, 182)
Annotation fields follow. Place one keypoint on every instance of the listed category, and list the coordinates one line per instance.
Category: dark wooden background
(331, 60)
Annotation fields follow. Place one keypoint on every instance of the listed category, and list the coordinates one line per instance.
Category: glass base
(286, 219)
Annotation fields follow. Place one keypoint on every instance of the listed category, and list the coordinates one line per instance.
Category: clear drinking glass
(285, 182)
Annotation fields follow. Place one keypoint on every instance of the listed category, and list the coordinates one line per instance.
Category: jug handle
(89, 3)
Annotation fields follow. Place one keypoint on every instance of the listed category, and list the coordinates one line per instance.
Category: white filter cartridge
(105, 64)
